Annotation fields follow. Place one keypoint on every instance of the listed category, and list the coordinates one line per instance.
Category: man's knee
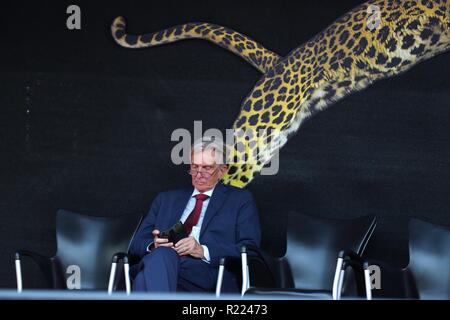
(163, 253)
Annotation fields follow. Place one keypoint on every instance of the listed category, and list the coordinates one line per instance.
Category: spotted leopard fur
(345, 57)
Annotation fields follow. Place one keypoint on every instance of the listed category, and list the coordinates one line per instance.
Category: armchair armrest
(44, 263)
(351, 255)
(233, 264)
(120, 256)
(267, 261)
(346, 258)
(249, 256)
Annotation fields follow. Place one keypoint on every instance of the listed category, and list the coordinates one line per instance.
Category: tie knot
(201, 197)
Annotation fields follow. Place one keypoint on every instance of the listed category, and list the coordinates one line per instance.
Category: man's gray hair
(217, 146)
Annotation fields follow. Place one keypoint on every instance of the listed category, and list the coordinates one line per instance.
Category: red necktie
(192, 220)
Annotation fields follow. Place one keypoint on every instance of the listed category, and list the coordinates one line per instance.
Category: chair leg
(340, 284)
(245, 272)
(367, 282)
(220, 277)
(337, 279)
(126, 268)
(112, 275)
(18, 273)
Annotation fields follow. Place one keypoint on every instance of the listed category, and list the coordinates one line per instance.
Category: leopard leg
(241, 45)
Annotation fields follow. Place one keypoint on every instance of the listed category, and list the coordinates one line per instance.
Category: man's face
(205, 170)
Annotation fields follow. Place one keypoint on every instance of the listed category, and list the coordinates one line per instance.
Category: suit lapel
(217, 199)
(180, 204)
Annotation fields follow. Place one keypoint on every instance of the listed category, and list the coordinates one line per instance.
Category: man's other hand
(160, 242)
(189, 246)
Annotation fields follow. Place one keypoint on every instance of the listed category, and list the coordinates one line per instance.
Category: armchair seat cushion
(294, 293)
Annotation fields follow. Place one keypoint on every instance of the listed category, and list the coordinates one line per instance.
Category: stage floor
(33, 294)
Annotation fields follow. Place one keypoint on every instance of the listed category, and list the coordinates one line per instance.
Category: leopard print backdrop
(347, 56)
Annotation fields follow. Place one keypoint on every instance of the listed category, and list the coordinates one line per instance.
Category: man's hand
(160, 242)
(189, 246)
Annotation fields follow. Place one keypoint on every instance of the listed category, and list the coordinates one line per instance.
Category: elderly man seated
(217, 220)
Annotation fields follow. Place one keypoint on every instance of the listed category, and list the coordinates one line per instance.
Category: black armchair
(427, 276)
(308, 269)
(89, 248)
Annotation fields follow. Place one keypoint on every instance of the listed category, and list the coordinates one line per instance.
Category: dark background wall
(96, 137)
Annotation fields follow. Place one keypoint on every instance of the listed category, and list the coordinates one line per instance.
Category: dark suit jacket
(230, 221)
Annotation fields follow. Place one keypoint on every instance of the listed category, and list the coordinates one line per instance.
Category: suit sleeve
(144, 237)
(248, 232)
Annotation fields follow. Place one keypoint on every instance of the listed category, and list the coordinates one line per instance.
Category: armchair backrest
(313, 245)
(429, 264)
(86, 245)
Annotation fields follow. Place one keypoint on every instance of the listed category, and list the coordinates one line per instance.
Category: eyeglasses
(204, 174)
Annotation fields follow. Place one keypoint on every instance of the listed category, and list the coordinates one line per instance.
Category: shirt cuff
(149, 246)
(206, 258)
